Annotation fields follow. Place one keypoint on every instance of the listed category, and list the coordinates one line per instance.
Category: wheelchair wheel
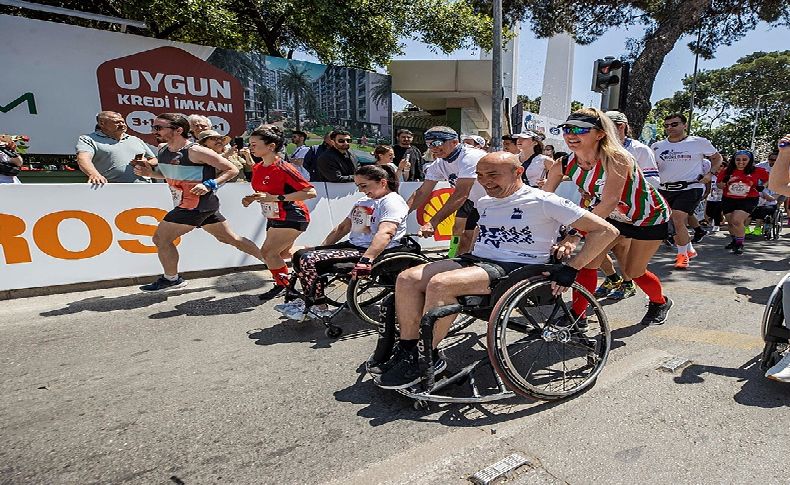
(771, 325)
(336, 288)
(365, 295)
(777, 224)
(538, 348)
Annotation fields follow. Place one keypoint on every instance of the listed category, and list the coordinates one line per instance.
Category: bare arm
(715, 164)
(456, 200)
(421, 195)
(382, 238)
(779, 180)
(554, 178)
(338, 232)
(616, 175)
(85, 162)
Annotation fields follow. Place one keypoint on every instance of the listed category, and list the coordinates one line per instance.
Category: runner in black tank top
(193, 174)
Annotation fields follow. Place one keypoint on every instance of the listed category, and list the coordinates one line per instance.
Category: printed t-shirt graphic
(281, 178)
(682, 161)
(522, 227)
(743, 186)
(460, 165)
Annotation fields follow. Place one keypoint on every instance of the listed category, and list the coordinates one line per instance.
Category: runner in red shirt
(281, 191)
(741, 182)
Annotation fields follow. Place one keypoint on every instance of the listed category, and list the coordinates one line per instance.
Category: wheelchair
(773, 330)
(361, 296)
(772, 222)
(535, 347)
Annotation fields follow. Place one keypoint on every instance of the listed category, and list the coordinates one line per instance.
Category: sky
(679, 62)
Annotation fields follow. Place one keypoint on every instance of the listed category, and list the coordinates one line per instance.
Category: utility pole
(496, 88)
(694, 78)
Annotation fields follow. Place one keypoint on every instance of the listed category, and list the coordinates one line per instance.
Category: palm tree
(296, 83)
(265, 96)
(381, 92)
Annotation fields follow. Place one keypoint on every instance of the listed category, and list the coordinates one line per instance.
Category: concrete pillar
(555, 101)
(454, 119)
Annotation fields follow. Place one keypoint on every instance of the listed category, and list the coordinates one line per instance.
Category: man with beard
(193, 174)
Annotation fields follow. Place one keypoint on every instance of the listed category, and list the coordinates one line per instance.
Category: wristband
(364, 260)
(563, 275)
(211, 184)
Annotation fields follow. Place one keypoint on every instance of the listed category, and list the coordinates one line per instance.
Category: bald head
(111, 124)
(500, 174)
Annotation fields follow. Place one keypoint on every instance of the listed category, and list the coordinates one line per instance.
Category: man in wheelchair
(519, 226)
(375, 224)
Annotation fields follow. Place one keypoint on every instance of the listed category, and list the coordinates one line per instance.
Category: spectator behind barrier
(338, 164)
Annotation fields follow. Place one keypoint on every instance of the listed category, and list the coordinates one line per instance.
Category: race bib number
(361, 219)
(270, 210)
(177, 195)
(739, 189)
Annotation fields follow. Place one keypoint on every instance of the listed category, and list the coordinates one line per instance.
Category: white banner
(71, 233)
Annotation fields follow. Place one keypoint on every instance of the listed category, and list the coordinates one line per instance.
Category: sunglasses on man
(575, 130)
(344, 141)
(435, 143)
(674, 124)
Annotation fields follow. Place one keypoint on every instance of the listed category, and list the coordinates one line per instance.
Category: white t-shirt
(645, 159)
(367, 214)
(523, 227)
(536, 170)
(682, 161)
(300, 152)
(463, 167)
(765, 165)
(715, 191)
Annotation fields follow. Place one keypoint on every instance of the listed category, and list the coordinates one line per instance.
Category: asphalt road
(208, 385)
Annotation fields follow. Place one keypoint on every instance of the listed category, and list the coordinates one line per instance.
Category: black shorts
(192, 217)
(683, 200)
(299, 226)
(494, 269)
(747, 205)
(468, 212)
(658, 232)
(763, 211)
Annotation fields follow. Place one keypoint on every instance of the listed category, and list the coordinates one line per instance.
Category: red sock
(588, 278)
(651, 285)
(280, 276)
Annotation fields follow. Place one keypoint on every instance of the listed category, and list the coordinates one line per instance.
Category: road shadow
(134, 301)
(383, 406)
(756, 391)
(620, 334)
(287, 331)
(759, 296)
(209, 306)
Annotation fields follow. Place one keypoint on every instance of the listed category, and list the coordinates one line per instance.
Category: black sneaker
(164, 284)
(699, 233)
(273, 291)
(378, 368)
(657, 313)
(731, 245)
(738, 249)
(405, 372)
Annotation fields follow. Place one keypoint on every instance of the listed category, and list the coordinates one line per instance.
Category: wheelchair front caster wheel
(420, 405)
(333, 331)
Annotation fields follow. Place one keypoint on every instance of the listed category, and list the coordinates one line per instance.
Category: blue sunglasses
(436, 143)
(575, 130)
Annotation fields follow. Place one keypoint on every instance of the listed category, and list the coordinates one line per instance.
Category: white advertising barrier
(72, 233)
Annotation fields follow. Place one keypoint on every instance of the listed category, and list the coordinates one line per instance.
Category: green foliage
(533, 105)
(353, 33)
(726, 102)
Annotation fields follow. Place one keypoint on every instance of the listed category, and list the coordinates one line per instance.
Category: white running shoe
(715, 229)
(295, 312)
(319, 312)
(781, 371)
(286, 307)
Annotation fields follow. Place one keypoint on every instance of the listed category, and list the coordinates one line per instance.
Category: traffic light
(610, 78)
(605, 74)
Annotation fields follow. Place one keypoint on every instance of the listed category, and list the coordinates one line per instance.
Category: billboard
(63, 75)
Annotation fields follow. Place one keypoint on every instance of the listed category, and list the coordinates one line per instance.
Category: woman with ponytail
(281, 190)
(604, 170)
(375, 224)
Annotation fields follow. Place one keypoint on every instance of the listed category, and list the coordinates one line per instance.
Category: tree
(533, 105)
(265, 96)
(296, 83)
(666, 21)
(381, 92)
(354, 33)
(726, 101)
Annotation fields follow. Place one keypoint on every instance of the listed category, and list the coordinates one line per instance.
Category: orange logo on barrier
(444, 232)
(16, 248)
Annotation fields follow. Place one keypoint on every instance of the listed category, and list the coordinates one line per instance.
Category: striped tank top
(182, 175)
(640, 203)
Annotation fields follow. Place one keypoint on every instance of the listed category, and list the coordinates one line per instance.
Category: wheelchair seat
(480, 306)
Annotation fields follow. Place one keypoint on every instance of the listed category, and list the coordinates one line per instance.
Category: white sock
(171, 278)
(689, 248)
(681, 249)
